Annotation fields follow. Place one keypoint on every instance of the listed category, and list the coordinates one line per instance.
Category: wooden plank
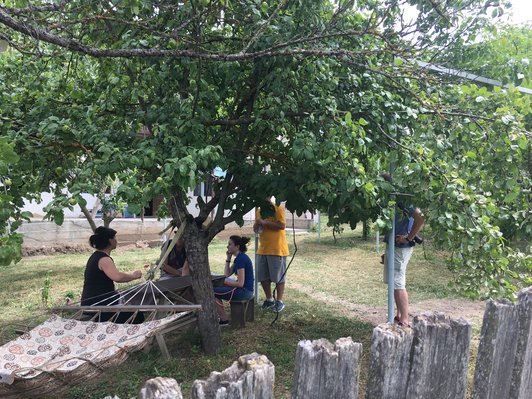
(162, 346)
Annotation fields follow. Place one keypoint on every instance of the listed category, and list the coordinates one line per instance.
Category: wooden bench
(242, 311)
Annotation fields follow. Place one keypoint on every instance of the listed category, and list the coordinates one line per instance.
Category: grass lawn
(348, 269)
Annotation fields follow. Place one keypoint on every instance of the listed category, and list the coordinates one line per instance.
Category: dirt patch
(455, 308)
(125, 245)
(138, 244)
(55, 249)
(82, 248)
(246, 231)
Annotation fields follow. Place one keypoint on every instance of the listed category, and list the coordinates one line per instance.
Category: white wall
(37, 207)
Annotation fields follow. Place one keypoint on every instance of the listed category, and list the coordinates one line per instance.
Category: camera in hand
(417, 240)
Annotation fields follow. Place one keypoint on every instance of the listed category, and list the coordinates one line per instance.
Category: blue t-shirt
(243, 261)
(403, 222)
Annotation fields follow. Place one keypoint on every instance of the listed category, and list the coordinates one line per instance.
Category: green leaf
(26, 215)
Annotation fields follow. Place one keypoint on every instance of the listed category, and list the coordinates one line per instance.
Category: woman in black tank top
(101, 274)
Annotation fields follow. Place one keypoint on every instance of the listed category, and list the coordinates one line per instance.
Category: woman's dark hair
(100, 238)
(240, 242)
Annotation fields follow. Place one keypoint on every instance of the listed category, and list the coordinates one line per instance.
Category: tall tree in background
(300, 99)
(504, 53)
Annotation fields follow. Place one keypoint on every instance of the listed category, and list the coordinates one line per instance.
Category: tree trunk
(365, 230)
(89, 217)
(95, 207)
(107, 220)
(197, 247)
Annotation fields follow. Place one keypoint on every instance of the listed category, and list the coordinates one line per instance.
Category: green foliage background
(297, 98)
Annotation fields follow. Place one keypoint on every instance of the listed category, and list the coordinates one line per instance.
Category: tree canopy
(299, 99)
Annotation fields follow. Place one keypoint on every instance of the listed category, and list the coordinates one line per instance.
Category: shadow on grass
(303, 318)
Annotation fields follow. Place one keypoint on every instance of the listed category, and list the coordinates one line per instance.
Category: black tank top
(97, 286)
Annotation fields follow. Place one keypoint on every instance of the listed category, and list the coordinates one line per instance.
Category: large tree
(300, 99)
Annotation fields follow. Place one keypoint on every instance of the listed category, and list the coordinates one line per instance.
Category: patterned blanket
(62, 345)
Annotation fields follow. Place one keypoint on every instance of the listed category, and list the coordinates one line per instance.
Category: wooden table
(178, 289)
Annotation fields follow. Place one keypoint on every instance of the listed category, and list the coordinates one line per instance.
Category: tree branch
(29, 10)
(88, 216)
(277, 50)
(259, 31)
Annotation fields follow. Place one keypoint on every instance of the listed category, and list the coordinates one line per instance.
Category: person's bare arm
(419, 221)
(107, 266)
(257, 224)
(171, 270)
(240, 277)
(227, 268)
(273, 224)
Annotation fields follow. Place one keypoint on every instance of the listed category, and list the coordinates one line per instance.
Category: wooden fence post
(521, 386)
(324, 370)
(440, 355)
(160, 388)
(429, 361)
(389, 362)
(504, 361)
(251, 377)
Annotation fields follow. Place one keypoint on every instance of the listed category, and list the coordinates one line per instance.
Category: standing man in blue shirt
(408, 222)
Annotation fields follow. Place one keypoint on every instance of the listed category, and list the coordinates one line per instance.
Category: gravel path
(456, 308)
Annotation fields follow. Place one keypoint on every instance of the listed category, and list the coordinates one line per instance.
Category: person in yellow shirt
(272, 252)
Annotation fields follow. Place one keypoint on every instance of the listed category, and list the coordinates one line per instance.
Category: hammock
(61, 352)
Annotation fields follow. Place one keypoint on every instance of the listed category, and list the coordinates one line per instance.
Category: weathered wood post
(324, 370)
(440, 355)
(428, 361)
(251, 377)
(521, 386)
(160, 388)
(389, 362)
(504, 361)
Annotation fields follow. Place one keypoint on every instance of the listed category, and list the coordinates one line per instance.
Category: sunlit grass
(347, 270)
(307, 319)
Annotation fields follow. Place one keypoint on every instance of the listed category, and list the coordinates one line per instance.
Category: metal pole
(377, 244)
(256, 257)
(319, 226)
(391, 257)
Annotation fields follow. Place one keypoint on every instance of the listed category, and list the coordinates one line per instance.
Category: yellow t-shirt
(273, 242)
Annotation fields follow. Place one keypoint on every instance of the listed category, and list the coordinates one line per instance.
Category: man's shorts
(271, 267)
(401, 259)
